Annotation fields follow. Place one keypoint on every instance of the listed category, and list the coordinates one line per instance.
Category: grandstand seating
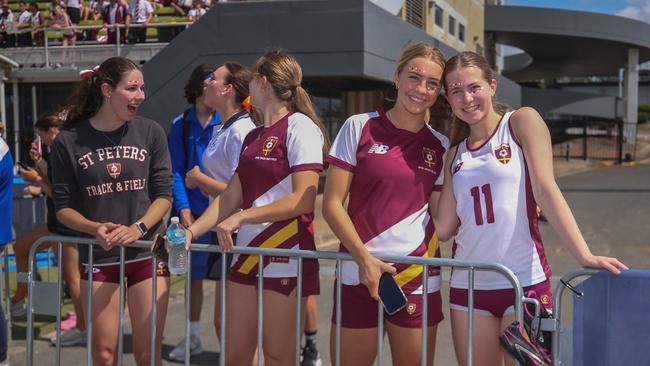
(163, 14)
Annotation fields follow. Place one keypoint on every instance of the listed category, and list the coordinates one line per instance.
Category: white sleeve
(343, 153)
(441, 177)
(235, 142)
(304, 144)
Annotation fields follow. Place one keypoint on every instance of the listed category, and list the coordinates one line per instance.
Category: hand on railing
(123, 235)
(370, 271)
(611, 264)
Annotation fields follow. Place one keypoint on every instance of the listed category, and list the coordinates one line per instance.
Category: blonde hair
(284, 74)
(459, 129)
(410, 52)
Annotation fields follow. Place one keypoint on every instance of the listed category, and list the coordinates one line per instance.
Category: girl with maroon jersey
(389, 165)
(270, 203)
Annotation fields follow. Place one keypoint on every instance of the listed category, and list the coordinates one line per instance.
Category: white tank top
(497, 212)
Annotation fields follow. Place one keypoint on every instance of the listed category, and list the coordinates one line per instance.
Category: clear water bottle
(177, 253)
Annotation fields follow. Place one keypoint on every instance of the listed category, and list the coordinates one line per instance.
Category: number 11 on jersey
(478, 212)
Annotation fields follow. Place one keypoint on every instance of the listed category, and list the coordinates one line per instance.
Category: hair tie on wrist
(191, 232)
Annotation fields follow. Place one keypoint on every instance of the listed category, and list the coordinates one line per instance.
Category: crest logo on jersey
(544, 299)
(410, 308)
(378, 149)
(503, 153)
(269, 144)
(161, 269)
(284, 282)
(114, 169)
(457, 167)
(429, 157)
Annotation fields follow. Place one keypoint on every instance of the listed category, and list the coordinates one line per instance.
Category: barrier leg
(260, 311)
(222, 338)
(153, 356)
(59, 300)
(470, 317)
(338, 312)
(120, 337)
(89, 313)
(380, 332)
(298, 310)
(425, 315)
(188, 303)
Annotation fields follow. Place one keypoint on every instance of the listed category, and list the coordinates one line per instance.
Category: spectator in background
(2, 131)
(47, 127)
(115, 13)
(38, 24)
(141, 13)
(6, 194)
(73, 8)
(7, 36)
(61, 20)
(186, 5)
(174, 4)
(196, 12)
(24, 25)
(52, 6)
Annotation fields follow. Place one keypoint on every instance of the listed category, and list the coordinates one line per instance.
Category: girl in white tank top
(496, 178)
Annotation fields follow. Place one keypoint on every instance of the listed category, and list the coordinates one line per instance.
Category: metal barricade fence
(33, 305)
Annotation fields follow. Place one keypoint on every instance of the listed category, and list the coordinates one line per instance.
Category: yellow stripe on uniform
(414, 270)
(273, 241)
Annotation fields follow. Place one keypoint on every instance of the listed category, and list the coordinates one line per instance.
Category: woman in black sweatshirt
(112, 180)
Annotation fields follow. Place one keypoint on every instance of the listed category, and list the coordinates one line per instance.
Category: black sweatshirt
(111, 176)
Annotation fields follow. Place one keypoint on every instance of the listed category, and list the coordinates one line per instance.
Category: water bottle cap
(174, 220)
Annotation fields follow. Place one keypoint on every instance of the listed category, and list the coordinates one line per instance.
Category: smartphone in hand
(158, 248)
(23, 165)
(392, 297)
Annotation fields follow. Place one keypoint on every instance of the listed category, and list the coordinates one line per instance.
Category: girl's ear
(106, 90)
(493, 86)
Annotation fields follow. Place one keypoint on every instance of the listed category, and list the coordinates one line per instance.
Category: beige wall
(470, 13)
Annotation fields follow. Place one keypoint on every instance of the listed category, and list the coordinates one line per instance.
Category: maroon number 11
(478, 212)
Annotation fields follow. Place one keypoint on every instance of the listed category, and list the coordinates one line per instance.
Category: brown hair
(239, 77)
(48, 120)
(459, 129)
(87, 99)
(194, 86)
(284, 74)
(410, 52)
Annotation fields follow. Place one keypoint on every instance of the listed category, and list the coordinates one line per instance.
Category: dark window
(452, 25)
(461, 32)
(439, 16)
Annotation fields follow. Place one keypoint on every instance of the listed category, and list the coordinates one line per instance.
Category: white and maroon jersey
(395, 173)
(497, 212)
(269, 156)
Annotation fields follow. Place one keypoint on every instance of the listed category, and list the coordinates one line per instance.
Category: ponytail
(301, 102)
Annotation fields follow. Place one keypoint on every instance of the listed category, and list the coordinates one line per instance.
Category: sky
(636, 9)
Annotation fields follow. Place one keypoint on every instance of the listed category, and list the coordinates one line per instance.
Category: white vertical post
(631, 96)
(34, 111)
(15, 98)
(3, 107)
